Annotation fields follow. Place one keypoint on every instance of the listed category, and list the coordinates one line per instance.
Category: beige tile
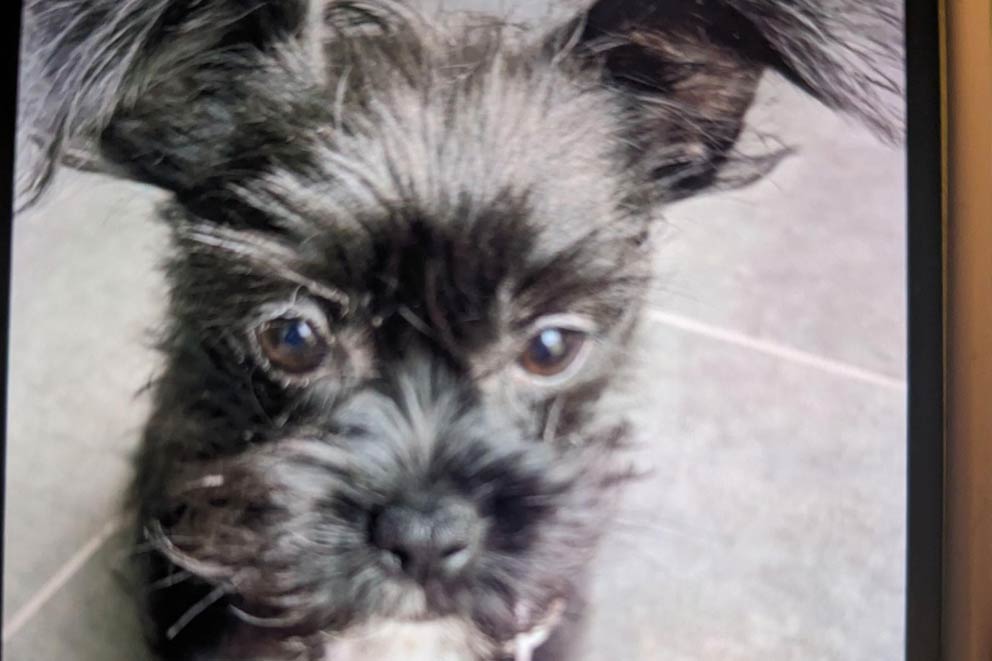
(812, 257)
(92, 619)
(84, 298)
(773, 524)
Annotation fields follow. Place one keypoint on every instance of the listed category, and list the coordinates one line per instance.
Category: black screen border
(926, 224)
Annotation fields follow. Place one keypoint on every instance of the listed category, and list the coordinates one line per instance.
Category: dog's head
(407, 260)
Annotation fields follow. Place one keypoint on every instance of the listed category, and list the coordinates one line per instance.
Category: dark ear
(174, 93)
(687, 70)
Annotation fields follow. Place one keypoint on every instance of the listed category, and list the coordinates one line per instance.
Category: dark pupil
(297, 335)
(549, 347)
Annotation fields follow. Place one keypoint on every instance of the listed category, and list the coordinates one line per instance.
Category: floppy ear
(687, 71)
(174, 93)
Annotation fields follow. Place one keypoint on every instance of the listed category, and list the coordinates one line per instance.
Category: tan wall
(968, 551)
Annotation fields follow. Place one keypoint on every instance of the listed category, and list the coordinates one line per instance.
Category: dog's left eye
(292, 345)
(552, 351)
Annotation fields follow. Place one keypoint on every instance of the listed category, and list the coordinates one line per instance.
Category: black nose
(428, 538)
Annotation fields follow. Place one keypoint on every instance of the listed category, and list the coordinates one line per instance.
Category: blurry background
(771, 406)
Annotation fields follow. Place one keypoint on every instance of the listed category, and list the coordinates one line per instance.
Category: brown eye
(551, 351)
(292, 345)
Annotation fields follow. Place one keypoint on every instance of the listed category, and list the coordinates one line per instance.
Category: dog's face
(407, 262)
(383, 394)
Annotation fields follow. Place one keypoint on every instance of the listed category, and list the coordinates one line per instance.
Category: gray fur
(428, 196)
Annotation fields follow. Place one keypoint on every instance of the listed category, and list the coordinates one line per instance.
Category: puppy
(407, 260)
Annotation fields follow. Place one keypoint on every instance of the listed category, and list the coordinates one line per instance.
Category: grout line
(60, 578)
(835, 367)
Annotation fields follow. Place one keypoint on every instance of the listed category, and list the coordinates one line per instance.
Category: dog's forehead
(460, 184)
(457, 141)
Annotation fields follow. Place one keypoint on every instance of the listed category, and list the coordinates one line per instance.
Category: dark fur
(427, 193)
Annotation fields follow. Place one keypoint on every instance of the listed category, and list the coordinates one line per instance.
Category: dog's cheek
(503, 393)
(263, 527)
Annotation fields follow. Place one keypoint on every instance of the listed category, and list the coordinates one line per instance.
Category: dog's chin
(414, 633)
(422, 639)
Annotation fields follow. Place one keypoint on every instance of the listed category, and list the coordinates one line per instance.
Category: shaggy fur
(428, 198)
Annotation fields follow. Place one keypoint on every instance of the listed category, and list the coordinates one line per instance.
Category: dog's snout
(436, 538)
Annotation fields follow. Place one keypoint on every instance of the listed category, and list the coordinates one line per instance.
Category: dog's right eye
(292, 345)
(552, 351)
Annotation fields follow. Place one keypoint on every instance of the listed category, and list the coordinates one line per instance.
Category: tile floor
(770, 402)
